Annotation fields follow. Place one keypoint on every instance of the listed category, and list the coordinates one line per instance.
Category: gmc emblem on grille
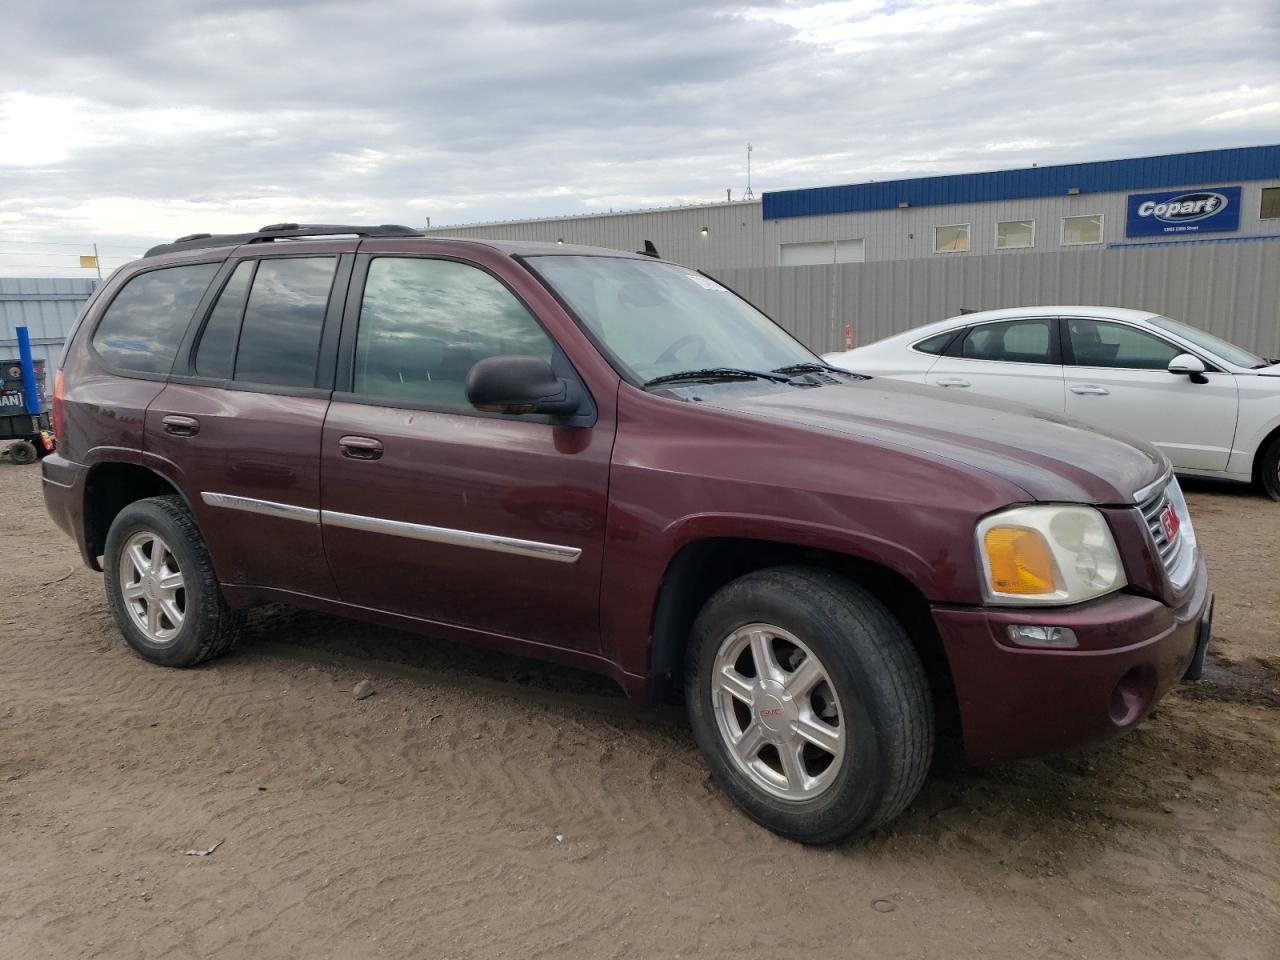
(1169, 521)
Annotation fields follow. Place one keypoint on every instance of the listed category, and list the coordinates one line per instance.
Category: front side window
(1015, 234)
(142, 328)
(656, 319)
(425, 323)
(280, 336)
(1080, 230)
(1097, 343)
(1011, 341)
(952, 239)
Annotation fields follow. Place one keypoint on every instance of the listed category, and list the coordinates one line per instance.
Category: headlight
(1050, 554)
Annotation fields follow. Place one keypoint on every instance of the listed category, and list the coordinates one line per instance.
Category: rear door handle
(361, 448)
(1090, 390)
(181, 426)
(952, 382)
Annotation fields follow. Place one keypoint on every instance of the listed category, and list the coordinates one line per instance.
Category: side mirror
(521, 385)
(1192, 366)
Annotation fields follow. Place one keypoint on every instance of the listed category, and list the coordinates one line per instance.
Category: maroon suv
(614, 462)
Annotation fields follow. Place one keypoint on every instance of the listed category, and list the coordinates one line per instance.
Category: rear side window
(935, 345)
(280, 336)
(142, 328)
(425, 323)
(218, 341)
(1013, 341)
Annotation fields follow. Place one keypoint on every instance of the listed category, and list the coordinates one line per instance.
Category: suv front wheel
(161, 587)
(809, 703)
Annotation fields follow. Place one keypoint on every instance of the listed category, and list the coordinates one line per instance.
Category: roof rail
(281, 231)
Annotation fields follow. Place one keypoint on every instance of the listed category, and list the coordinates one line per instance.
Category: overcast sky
(140, 120)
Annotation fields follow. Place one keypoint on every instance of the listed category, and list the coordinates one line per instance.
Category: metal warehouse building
(1194, 235)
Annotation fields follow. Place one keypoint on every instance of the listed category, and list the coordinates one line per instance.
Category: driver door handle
(1090, 390)
(952, 382)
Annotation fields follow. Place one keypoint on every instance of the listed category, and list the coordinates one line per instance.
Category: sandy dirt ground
(480, 806)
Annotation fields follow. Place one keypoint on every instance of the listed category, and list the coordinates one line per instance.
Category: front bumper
(1021, 702)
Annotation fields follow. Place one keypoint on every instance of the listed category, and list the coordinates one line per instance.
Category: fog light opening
(1132, 695)
(1035, 635)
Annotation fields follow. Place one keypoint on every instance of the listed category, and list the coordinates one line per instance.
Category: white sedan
(1212, 407)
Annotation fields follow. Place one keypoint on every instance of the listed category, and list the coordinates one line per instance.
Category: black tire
(876, 673)
(209, 627)
(22, 453)
(1269, 469)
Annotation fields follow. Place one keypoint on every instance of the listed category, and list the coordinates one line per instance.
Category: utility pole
(96, 262)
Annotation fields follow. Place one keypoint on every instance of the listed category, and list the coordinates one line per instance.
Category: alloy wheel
(152, 585)
(778, 713)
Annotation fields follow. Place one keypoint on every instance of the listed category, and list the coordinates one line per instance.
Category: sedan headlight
(1048, 554)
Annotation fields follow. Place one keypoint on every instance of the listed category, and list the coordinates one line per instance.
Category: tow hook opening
(1132, 695)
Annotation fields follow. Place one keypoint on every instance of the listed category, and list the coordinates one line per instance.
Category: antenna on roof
(649, 250)
(748, 195)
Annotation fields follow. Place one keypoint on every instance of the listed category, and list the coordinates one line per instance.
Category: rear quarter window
(142, 328)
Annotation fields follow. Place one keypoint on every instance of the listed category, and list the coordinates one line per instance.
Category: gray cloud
(143, 118)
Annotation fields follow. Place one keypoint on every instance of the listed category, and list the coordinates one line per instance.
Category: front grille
(1176, 555)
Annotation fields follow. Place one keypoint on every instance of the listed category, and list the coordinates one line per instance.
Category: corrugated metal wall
(737, 236)
(1232, 290)
(734, 237)
(47, 307)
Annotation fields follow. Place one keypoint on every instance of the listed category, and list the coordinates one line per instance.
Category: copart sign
(1213, 210)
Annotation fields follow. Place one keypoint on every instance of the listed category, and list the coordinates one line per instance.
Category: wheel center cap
(773, 706)
(150, 587)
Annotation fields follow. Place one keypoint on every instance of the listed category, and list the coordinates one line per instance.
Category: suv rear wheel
(809, 702)
(161, 587)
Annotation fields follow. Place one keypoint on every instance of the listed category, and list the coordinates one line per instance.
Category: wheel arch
(1261, 450)
(702, 566)
(111, 486)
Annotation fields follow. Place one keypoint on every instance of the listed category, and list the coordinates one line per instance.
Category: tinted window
(218, 341)
(1097, 343)
(936, 344)
(280, 339)
(425, 323)
(1014, 341)
(145, 323)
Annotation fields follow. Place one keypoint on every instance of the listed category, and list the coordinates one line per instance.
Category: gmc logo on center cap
(1169, 521)
(770, 712)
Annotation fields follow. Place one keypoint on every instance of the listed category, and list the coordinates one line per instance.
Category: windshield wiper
(813, 367)
(718, 373)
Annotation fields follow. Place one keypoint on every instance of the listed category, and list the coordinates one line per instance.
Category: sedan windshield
(1207, 341)
(656, 319)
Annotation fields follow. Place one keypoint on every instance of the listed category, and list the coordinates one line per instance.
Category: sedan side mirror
(1192, 366)
(521, 385)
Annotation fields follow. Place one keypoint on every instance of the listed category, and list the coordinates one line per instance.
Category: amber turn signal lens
(1020, 561)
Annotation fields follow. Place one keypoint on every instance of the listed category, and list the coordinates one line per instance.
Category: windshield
(1207, 341)
(657, 319)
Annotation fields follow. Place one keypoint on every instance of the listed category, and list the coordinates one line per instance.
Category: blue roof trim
(1107, 176)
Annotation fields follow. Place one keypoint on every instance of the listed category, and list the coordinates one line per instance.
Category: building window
(1015, 234)
(820, 252)
(951, 239)
(1270, 203)
(1080, 230)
